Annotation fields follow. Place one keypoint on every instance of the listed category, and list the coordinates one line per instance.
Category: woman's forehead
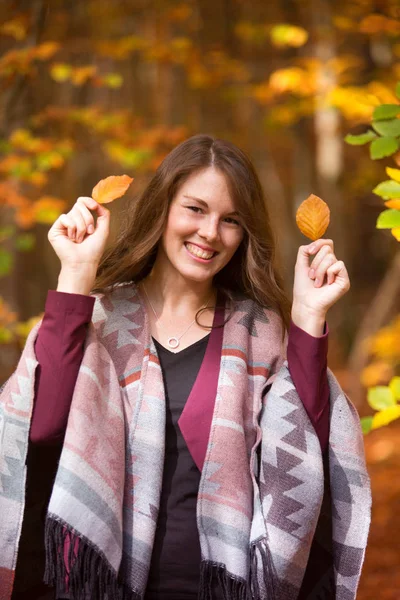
(208, 187)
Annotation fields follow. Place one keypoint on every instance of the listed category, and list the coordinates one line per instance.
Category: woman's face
(203, 229)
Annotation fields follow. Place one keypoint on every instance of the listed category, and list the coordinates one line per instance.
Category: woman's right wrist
(77, 280)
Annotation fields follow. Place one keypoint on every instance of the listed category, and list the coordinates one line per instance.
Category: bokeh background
(93, 88)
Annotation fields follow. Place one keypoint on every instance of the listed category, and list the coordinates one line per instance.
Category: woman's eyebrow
(204, 203)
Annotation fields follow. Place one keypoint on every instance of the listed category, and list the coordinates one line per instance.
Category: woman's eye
(233, 221)
(194, 208)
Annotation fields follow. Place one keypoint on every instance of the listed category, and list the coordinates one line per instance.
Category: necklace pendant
(173, 342)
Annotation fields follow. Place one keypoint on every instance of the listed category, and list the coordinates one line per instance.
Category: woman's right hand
(79, 244)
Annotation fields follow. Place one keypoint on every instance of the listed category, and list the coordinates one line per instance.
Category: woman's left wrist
(310, 321)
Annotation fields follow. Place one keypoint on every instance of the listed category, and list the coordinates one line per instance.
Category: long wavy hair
(253, 271)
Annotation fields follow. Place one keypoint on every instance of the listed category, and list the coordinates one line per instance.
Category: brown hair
(253, 269)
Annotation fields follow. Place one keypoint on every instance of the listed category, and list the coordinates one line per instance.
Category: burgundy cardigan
(59, 350)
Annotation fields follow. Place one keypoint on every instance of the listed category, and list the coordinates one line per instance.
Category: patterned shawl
(275, 519)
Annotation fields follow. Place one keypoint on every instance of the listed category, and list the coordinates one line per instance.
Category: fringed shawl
(271, 525)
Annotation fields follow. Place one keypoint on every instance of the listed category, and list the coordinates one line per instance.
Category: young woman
(183, 429)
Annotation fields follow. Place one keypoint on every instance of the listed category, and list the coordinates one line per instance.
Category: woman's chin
(197, 275)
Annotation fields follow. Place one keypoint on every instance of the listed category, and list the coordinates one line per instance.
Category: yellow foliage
(373, 24)
(7, 316)
(255, 33)
(24, 140)
(393, 173)
(343, 23)
(288, 35)
(23, 328)
(16, 28)
(385, 416)
(60, 71)
(385, 343)
(353, 103)
(37, 179)
(80, 75)
(180, 12)
(122, 48)
(45, 50)
(377, 373)
(292, 79)
(47, 209)
(396, 233)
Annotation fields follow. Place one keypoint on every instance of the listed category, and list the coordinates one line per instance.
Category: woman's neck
(174, 296)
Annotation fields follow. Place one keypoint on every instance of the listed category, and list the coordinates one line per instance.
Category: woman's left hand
(319, 285)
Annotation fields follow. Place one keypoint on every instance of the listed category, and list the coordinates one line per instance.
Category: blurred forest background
(93, 88)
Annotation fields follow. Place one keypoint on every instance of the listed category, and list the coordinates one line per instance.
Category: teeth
(198, 252)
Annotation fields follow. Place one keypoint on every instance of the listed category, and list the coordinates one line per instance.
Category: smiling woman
(193, 427)
(216, 181)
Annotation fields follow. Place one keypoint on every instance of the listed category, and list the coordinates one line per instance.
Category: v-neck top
(175, 564)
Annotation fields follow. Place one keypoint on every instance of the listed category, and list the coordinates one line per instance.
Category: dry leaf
(312, 217)
(111, 188)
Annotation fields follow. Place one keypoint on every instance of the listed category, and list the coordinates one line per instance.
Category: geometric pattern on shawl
(263, 486)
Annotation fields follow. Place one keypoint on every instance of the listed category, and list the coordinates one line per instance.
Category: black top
(175, 564)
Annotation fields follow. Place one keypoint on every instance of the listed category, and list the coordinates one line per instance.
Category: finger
(103, 214)
(339, 270)
(323, 267)
(319, 258)
(87, 216)
(68, 224)
(316, 245)
(79, 221)
(311, 249)
(103, 219)
(87, 201)
(91, 204)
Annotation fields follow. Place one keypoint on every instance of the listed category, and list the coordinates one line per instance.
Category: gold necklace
(173, 341)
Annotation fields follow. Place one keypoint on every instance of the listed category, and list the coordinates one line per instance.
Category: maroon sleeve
(307, 358)
(59, 351)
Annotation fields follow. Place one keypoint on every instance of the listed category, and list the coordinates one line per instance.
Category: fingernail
(317, 282)
(90, 229)
(312, 273)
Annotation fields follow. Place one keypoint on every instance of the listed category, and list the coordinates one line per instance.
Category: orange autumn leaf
(312, 217)
(111, 188)
(395, 203)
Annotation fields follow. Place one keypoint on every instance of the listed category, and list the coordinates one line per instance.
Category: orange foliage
(312, 217)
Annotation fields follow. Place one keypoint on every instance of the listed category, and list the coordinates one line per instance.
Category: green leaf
(398, 90)
(6, 262)
(386, 416)
(360, 140)
(394, 385)
(380, 397)
(387, 127)
(388, 189)
(25, 242)
(386, 111)
(366, 424)
(385, 146)
(388, 219)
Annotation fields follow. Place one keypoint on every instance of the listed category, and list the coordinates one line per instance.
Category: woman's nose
(210, 229)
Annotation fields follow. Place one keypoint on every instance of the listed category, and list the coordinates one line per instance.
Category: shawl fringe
(84, 574)
(260, 552)
(233, 588)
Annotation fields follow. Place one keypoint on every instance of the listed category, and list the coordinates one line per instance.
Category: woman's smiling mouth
(199, 253)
